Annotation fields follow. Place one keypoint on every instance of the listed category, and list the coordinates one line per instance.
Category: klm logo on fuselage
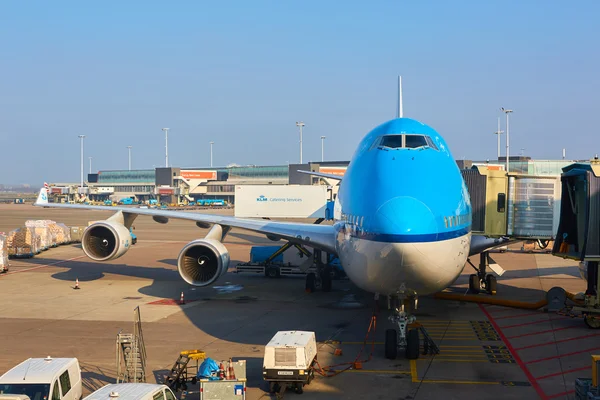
(262, 198)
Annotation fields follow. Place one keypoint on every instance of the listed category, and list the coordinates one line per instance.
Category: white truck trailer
(281, 201)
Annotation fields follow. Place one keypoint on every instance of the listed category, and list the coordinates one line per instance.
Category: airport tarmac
(486, 351)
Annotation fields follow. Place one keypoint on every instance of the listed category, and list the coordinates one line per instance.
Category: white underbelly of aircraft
(389, 268)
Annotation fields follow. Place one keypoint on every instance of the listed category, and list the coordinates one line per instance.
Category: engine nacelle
(202, 262)
(106, 240)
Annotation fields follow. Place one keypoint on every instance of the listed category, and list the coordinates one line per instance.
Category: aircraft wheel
(412, 344)
(592, 321)
(474, 286)
(391, 344)
(311, 282)
(491, 284)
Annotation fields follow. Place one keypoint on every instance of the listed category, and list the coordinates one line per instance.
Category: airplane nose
(405, 215)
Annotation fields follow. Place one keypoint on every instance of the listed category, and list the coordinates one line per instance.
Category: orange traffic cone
(221, 371)
(76, 283)
(181, 301)
(231, 370)
(227, 374)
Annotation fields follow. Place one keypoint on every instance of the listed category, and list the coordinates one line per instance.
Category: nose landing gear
(482, 281)
(406, 336)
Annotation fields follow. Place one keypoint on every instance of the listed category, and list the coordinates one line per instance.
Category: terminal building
(183, 185)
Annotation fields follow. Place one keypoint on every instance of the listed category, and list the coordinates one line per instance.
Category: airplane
(402, 226)
(402, 223)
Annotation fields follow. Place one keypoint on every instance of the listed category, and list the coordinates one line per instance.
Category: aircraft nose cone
(405, 215)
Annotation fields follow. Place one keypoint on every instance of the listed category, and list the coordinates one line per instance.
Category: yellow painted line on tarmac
(380, 371)
(460, 382)
(465, 356)
(342, 342)
(457, 360)
(415, 378)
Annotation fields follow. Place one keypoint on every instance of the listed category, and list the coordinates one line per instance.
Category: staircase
(182, 372)
(131, 353)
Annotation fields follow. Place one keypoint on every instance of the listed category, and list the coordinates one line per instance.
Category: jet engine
(202, 262)
(106, 240)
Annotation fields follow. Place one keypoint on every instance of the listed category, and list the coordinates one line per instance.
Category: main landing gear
(322, 279)
(406, 336)
(482, 281)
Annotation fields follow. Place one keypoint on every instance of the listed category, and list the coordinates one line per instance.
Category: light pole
(81, 137)
(129, 150)
(322, 148)
(300, 125)
(90, 164)
(166, 130)
(211, 153)
(507, 111)
(498, 133)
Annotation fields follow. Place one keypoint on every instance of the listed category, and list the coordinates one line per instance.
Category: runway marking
(413, 371)
(561, 394)
(558, 341)
(540, 332)
(415, 378)
(527, 323)
(520, 315)
(45, 265)
(563, 372)
(520, 362)
(380, 371)
(562, 355)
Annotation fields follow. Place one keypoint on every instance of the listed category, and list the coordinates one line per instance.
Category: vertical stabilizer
(399, 111)
(43, 196)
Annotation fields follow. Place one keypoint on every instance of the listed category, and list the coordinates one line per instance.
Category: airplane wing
(322, 175)
(318, 236)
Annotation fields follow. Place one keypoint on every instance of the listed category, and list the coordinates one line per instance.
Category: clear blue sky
(242, 73)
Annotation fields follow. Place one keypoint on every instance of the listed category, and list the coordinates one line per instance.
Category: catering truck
(281, 201)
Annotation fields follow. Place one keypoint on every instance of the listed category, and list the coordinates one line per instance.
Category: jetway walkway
(516, 206)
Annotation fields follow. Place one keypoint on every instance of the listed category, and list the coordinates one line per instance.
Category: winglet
(43, 196)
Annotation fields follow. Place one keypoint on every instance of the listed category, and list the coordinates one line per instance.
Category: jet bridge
(578, 235)
(518, 206)
(509, 206)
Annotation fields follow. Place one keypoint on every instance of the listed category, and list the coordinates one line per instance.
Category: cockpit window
(404, 142)
(431, 143)
(414, 141)
(391, 141)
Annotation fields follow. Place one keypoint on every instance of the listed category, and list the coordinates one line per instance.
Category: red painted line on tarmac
(557, 341)
(527, 323)
(560, 394)
(518, 360)
(540, 332)
(562, 355)
(520, 315)
(504, 309)
(43, 266)
(563, 372)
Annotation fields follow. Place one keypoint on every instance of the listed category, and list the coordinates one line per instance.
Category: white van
(132, 391)
(44, 379)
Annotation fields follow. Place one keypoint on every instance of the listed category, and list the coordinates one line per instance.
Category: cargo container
(281, 201)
